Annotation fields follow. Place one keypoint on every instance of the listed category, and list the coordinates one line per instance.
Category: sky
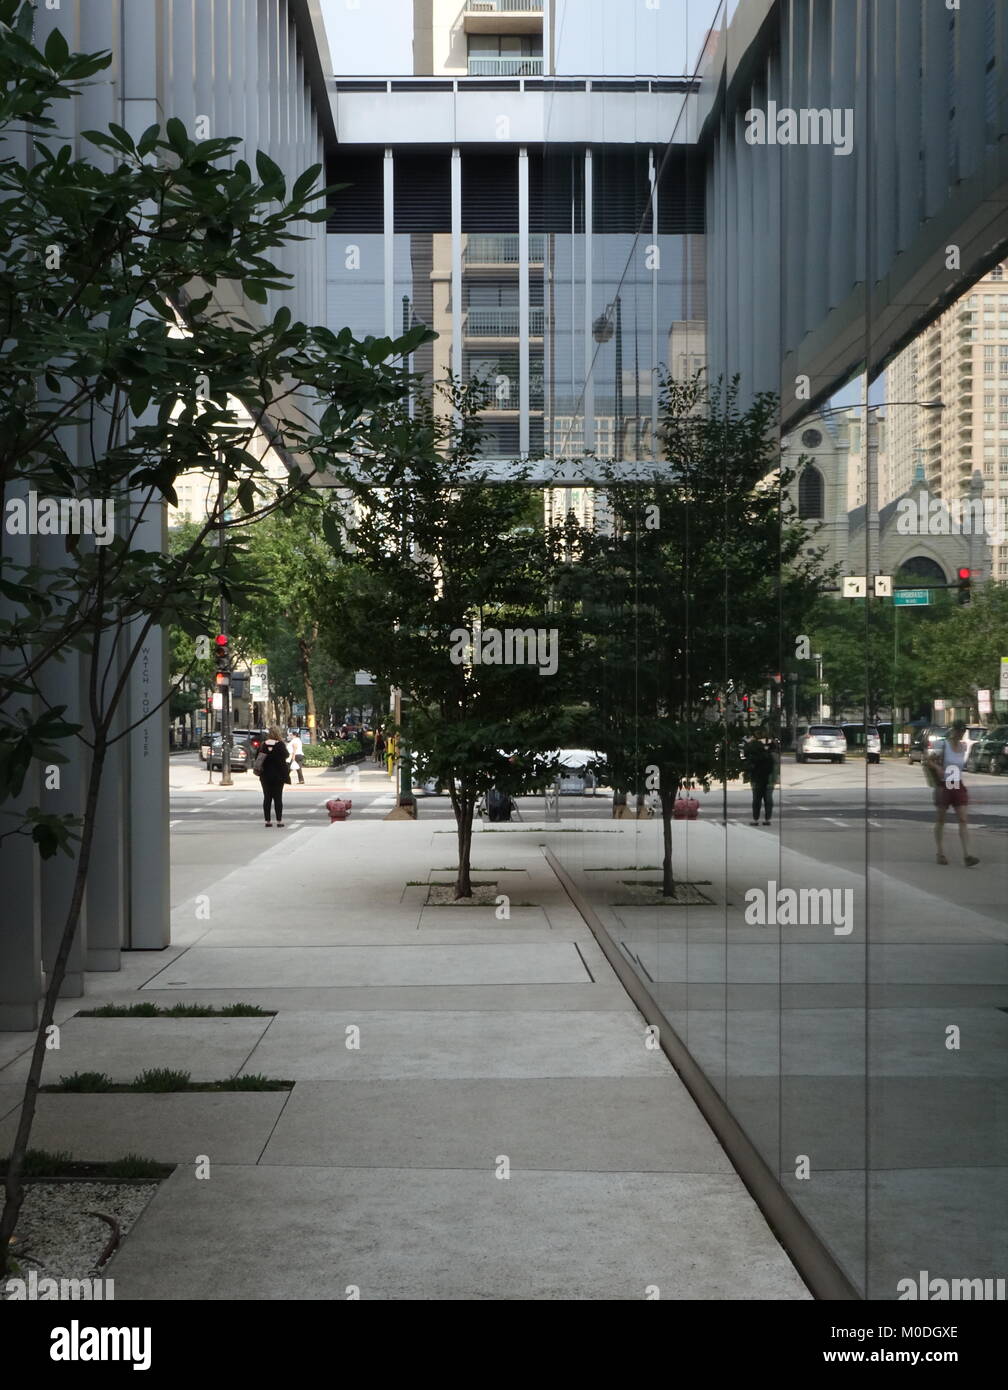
(605, 37)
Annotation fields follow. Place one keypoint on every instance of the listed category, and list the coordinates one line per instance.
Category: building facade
(961, 360)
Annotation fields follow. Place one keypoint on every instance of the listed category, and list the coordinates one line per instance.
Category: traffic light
(965, 586)
(222, 653)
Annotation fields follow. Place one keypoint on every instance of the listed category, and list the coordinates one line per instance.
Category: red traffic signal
(223, 656)
(222, 641)
(965, 584)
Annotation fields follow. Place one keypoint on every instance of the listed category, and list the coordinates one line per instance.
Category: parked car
(990, 752)
(820, 741)
(973, 733)
(241, 760)
(873, 745)
(929, 739)
(253, 739)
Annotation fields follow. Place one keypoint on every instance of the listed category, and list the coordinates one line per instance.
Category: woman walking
(950, 790)
(274, 773)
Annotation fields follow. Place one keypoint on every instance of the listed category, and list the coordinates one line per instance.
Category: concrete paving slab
(421, 1234)
(308, 1046)
(208, 1048)
(10, 1100)
(174, 1128)
(459, 927)
(651, 1125)
(208, 968)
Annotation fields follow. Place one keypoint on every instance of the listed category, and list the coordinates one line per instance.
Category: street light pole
(817, 658)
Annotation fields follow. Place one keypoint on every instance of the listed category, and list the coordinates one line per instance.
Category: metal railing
(501, 322)
(503, 7)
(501, 249)
(506, 67)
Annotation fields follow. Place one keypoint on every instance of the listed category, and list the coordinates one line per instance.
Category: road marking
(172, 824)
(877, 824)
(830, 821)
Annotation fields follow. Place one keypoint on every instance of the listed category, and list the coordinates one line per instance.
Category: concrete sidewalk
(476, 1113)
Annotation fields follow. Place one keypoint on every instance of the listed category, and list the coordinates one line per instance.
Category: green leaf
(255, 291)
(177, 135)
(270, 174)
(57, 50)
(304, 183)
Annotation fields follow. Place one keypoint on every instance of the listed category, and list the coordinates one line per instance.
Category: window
(811, 494)
(997, 273)
(505, 55)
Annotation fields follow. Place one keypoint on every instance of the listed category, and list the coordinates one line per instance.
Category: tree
(119, 370)
(693, 585)
(962, 653)
(440, 566)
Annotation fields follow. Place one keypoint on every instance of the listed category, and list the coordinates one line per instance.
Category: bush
(161, 1079)
(86, 1081)
(318, 754)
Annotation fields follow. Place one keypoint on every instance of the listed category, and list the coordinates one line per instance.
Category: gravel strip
(58, 1239)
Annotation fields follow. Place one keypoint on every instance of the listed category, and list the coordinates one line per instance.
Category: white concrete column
(388, 241)
(149, 871)
(456, 260)
(655, 278)
(588, 397)
(523, 302)
(21, 935)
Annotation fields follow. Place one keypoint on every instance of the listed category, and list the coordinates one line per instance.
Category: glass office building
(571, 233)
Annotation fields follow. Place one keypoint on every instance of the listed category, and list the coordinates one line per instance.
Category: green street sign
(911, 598)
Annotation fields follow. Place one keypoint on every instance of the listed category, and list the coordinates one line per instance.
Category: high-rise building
(548, 225)
(961, 360)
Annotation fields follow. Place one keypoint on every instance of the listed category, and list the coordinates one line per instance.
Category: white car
(820, 741)
(873, 746)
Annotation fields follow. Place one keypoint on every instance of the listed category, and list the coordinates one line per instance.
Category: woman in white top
(297, 756)
(950, 790)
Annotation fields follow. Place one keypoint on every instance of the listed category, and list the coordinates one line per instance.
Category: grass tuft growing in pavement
(86, 1081)
(60, 1163)
(162, 1080)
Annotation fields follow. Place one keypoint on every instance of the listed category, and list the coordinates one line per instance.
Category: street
(821, 809)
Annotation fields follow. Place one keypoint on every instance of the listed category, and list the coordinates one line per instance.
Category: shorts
(945, 797)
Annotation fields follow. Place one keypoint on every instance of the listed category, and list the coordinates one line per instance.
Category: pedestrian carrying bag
(259, 763)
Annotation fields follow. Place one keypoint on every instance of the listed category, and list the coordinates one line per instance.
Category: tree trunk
(305, 647)
(667, 807)
(13, 1190)
(618, 804)
(464, 807)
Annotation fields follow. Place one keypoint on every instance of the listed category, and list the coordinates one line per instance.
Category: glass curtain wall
(842, 988)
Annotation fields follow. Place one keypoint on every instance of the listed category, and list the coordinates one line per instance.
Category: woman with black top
(274, 774)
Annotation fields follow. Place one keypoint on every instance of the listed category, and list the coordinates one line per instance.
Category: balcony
(503, 17)
(493, 251)
(501, 321)
(518, 66)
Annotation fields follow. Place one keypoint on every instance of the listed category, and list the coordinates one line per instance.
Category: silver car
(820, 741)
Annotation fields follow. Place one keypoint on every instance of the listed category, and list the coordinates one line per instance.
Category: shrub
(86, 1081)
(161, 1079)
